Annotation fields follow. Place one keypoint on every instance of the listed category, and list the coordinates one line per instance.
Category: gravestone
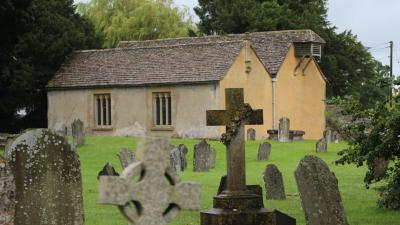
(78, 132)
(184, 151)
(379, 167)
(319, 193)
(7, 193)
(329, 135)
(251, 134)
(108, 170)
(238, 203)
(284, 130)
(157, 196)
(201, 157)
(274, 187)
(48, 179)
(264, 150)
(126, 157)
(321, 145)
(213, 158)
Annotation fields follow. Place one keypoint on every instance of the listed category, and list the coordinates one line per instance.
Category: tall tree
(346, 62)
(117, 20)
(51, 31)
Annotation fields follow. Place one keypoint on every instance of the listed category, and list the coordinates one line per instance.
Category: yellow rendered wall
(256, 85)
(301, 97)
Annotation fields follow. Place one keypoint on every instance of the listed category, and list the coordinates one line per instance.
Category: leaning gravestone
(274, 183)
(78, 132)
(7, 193)
(48, 179)
(159, 195)
(126, 157)
(321, 145)
(201, 157)
(264, 150)
(319, 193)
(251, 134)
(284, 130)
(213, 158)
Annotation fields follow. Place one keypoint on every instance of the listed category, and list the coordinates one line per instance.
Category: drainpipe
(274, 79)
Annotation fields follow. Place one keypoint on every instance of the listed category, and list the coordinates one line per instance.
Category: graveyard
(359, 203)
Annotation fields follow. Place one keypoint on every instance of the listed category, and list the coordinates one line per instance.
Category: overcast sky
(375, 22)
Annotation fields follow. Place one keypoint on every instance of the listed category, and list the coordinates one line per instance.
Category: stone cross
(156, 196)
(235, 150)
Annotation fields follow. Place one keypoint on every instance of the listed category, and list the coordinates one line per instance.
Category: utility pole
(391, 74)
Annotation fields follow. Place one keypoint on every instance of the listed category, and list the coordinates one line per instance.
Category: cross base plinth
(245, 208)
(262, 216)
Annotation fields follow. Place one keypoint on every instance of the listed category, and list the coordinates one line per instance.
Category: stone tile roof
(171, 61)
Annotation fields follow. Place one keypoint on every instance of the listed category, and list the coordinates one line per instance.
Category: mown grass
(359, 203)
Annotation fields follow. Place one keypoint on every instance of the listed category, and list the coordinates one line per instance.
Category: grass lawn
(359, 203)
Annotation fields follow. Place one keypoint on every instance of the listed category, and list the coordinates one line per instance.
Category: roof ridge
(158, 46)
(217, 36)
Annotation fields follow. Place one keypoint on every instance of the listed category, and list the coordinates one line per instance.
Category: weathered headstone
(329, 135)
(213, 158)
(284, 130)
(176, 159)
(264, 150)
(126, 157)
(108, 170)
(251, 134)
(7, 193)
(319, 193)
(78, 132)
(379, 167)
(201, 157)
(238, 203)
(184, 151)
(159, 194)
(321, 145)
(48, 179)
(273, 179)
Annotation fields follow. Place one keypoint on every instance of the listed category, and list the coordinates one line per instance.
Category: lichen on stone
(239, 117)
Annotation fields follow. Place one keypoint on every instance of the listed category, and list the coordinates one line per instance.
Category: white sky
(375, 22)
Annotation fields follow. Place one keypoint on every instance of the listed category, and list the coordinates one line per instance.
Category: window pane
(109, 110)
(169, 110)
(164, 111)
(158, 122)
(104, 110)
(98, 111)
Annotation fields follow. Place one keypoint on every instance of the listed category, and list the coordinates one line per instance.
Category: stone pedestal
(243, 209)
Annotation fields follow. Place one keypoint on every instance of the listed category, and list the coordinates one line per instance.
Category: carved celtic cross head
(149, 192)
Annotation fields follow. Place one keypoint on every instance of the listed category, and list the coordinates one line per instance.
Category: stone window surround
(109, 108)
(169, 111)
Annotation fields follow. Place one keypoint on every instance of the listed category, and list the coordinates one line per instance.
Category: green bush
(375, 134)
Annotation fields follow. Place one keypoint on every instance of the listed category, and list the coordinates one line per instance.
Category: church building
(164, 87)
